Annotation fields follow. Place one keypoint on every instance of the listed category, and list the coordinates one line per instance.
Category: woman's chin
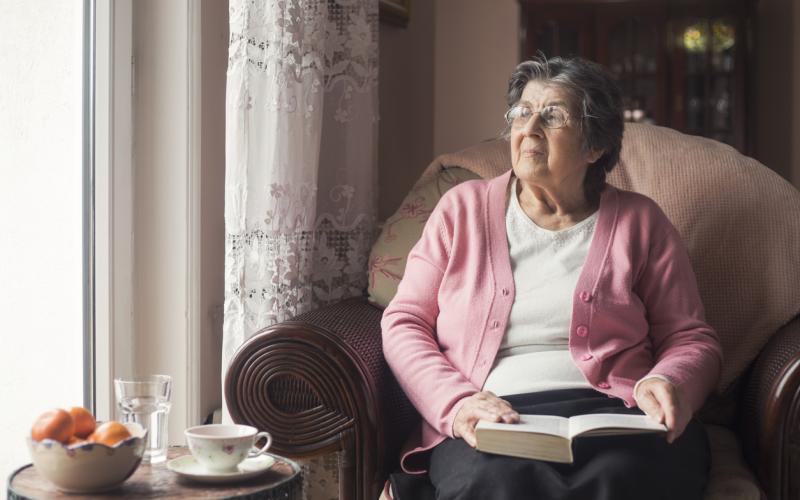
(525, 170)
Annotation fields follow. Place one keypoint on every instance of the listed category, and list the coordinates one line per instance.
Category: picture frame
(395, 12)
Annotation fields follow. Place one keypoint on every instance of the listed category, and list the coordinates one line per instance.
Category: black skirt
(637, 467)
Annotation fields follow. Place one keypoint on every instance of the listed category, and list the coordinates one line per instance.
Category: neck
(568, 205)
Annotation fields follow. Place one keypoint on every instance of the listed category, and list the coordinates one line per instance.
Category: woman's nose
(533, 125)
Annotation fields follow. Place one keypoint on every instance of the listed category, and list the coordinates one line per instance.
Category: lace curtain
(301, 155)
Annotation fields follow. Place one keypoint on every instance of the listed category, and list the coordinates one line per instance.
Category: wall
(442, 85)
(212, 283)
(773, 90)
(796, 122)
(405, 142)
(476, 49)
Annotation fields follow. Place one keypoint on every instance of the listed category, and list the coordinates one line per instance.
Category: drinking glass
(146, 401)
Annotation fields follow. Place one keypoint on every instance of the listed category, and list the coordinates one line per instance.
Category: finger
(485, 414)
(491, 398)
(511, 417)
(502, 409)
(666, 398)
(508, 411)
(671, 404)
(469, 437)
(467, 433)
(495, 407)
(650, 405)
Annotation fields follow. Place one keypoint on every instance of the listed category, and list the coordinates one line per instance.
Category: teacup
(221, 447)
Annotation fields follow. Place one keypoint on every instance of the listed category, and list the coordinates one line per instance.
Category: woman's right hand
(481, 406)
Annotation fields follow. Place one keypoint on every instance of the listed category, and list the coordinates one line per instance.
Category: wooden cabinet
(679, 63)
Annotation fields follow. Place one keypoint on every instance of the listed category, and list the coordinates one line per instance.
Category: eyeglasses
(551, 116)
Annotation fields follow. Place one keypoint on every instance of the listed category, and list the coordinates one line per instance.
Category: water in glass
(146, 401)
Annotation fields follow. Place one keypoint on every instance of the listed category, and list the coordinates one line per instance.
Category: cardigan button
(585, 296)
(603, 385)
(582, 331)
(495, 324)
(586, 357)
(505, 291)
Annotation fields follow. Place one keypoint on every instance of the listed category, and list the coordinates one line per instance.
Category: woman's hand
(481, 406)
(662, 401)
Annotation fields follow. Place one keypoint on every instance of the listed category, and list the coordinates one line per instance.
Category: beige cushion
(387, 261)
(740, 222)
(729, 477)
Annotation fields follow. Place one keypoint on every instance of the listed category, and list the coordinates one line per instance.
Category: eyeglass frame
(564, 109)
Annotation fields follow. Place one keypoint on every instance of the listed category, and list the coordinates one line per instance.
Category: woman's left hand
(662, 401)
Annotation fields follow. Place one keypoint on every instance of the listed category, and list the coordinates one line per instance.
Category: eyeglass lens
(551, 116)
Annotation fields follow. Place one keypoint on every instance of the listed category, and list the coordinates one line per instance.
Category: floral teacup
(220, 448)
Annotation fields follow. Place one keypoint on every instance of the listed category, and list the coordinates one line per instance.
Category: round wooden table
(282, 481)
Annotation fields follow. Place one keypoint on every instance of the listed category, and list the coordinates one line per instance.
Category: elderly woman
(548, 291)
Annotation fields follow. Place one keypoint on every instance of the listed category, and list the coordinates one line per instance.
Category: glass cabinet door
(633, 54)
(679, 64)
(705, 69)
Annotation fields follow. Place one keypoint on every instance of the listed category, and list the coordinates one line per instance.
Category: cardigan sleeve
(433, 385)
(686, 349)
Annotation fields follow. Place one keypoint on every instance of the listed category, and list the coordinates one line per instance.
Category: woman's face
(549, 158)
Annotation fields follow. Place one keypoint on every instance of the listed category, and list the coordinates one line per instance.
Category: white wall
(476, 49)
(41, 358)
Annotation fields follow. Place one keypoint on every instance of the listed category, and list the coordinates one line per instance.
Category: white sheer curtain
(301, 153)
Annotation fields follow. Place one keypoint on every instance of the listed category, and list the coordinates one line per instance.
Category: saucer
(186, 466)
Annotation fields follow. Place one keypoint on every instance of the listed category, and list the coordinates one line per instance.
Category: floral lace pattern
(333, 41)
(301, 127)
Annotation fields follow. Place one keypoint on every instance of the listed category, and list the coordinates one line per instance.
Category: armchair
(320, 384)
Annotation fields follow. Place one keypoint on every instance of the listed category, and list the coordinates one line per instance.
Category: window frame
(110, 336)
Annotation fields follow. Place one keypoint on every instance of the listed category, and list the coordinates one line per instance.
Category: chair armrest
(319, 383)
(770, 416)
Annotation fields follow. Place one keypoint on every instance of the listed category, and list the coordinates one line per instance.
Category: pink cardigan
(636, 309)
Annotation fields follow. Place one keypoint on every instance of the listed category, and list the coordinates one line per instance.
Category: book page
(541, 424)
(612, 423)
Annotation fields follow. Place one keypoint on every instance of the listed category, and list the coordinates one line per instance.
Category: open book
(546, 437)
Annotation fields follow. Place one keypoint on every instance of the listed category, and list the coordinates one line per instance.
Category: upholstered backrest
(740, 222)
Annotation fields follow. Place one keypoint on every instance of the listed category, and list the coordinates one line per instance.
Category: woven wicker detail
(319, 382)
(292, 394)
(265, 369)
(357, 325)
(771, 411)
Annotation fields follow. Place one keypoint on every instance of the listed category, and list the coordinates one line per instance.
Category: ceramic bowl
(88, 467)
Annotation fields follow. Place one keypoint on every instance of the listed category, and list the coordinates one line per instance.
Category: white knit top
(546, 264)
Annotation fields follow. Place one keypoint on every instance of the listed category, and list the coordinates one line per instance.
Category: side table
(282, 481)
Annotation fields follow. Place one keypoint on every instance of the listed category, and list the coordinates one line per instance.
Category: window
(42, 215)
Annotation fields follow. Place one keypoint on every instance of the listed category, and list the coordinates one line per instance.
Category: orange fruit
(84, 421)
(109, 433)
(54, 424)
(75, 440)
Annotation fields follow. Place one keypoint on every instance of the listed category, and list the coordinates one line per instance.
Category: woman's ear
(594, 154)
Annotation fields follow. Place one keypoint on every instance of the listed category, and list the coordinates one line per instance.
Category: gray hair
(596, 98)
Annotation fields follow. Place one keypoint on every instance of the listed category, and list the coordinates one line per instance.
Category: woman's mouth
(532, 153)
